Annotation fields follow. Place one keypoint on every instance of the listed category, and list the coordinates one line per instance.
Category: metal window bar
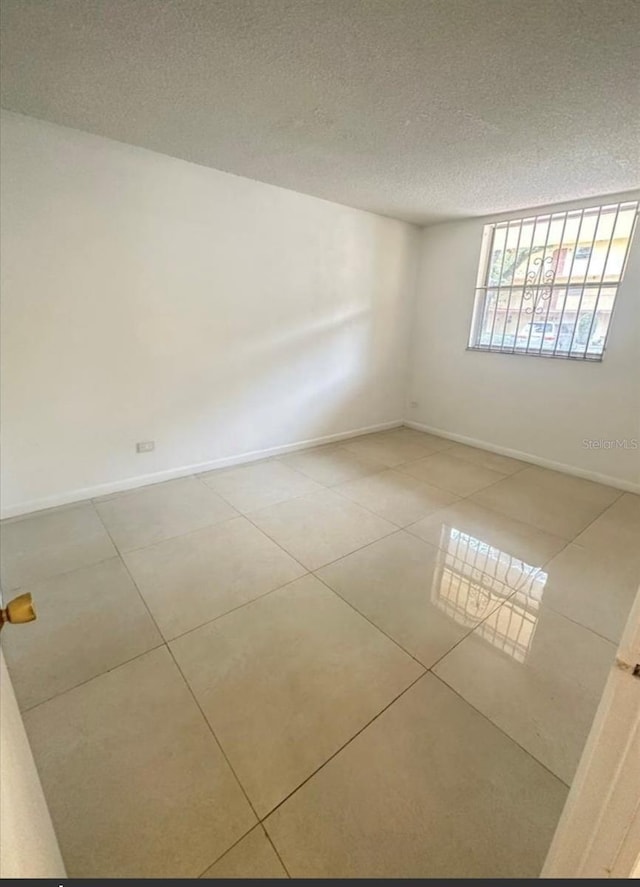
(488, 276)
(526, 276)
(570, 275)
(552, 288)
(513, 277)
(504, 255)
(602, 276)
(540, 287)
(623, 268)
(586, 276)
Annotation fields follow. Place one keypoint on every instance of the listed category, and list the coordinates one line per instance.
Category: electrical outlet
(145, 446)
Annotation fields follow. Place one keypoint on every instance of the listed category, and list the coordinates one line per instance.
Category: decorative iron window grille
(547, 284)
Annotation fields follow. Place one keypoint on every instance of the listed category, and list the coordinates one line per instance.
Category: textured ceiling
(419, 109)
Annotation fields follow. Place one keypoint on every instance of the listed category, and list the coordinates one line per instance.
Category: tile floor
(379, 658)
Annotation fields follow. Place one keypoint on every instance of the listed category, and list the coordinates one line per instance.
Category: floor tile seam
(331, 489)
(503, 514)
(439, 547)
(208, 526)
(473, 628)
(254, 828)
(342, 495)
(435, 483)
(272, 842)
(370, 621)
(391, 532)
(343, 746)
(215, 737)
(501, 730)
(51, 576)
(254, 463)
(241, 606)
(93, 677)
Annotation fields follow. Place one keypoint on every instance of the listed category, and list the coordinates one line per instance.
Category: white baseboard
(616, 482)
(144, 480)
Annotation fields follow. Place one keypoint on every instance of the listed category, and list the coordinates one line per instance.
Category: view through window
(547, 284)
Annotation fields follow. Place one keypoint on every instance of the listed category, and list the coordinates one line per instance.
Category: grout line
(392, 532)
(190, 690)
(473, 629)
(215, 523)
(342, 747)
(581, 625)
(355, 502)
(366, 618)
(540, 529)
(235, 609)
(135, 584)
(275, 849)
(228, 850)
(500, 729)
(10, 589)
(99, 674)
(257, 827)
(217, 741)
(165, 644)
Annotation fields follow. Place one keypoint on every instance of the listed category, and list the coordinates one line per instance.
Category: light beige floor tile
(456, 475)
(389, 449)
(512, 539)
(252, 857)
(321, 527)
(536, 675)
(434, 442)
(287, 680)
(549, 500)
(255, 486)
(151, 514)
(44, 545)
(593, 588)
(486, 459)
(396, 497)
(136, 784)
(196, 577)
(429, 789)
(89, 621)
(617, 530)
(577, 487)
(424, 598)
(331, 465)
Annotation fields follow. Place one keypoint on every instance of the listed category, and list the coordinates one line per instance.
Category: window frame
(483, 279)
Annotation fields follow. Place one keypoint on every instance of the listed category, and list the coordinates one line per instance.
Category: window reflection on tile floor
(376, 659)
(471, 574)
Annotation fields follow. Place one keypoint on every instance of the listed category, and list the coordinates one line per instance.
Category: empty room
(320, 402)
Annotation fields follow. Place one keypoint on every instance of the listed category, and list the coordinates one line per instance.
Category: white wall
(146, 298)
(540, 407)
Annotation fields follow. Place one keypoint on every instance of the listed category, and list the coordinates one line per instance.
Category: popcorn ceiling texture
(419, 109)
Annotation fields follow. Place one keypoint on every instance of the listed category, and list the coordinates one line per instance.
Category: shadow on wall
(322, 368)
(305, 384)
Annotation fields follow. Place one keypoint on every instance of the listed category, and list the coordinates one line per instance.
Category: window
(547, 284)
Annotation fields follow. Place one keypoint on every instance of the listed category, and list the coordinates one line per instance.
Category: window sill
(595, 358)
